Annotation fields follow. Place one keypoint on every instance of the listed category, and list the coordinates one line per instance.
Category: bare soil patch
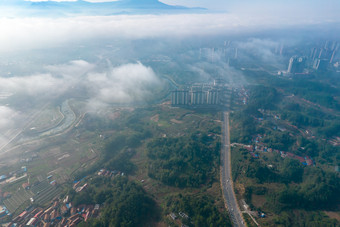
(155, 118)
(333, 214)
(176, 121)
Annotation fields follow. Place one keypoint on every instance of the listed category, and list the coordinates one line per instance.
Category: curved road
(226, 180)
(68, 122)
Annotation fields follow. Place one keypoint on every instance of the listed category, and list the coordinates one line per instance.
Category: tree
(291, 171)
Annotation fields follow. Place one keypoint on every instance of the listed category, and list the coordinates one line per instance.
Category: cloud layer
(124, 84)
(100, 86)
(6, 117)
(27, 33)
(56, 81)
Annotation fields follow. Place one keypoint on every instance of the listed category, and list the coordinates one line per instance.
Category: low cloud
(28, 33)
(40, 84)
(261, 48)
(74, 68)
(57, 80)
(7, 116)
(124, 84)
(100, 86)
(219, 69)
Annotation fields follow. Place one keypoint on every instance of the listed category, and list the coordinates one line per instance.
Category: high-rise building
(198, 98)
(326, 45)
(314, 53)
(334, 45)
(325, 54)
(180, 97)
(213, 97)
(320, 53)
(296, 64)
(281, 49)
(320, 64)
(332, 58)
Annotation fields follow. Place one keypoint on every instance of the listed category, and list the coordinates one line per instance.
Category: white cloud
(50, 0)
(76, 67)
(30, 85)
(26, 33)
(56, 81)
(261, 48)
(6, 118)
(102, 87)
(9, 119)
(123, 84)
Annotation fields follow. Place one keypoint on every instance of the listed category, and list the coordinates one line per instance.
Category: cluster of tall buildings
(196, 97)
(227, 54)
(320, 64)
(324, 56)
(320, 59)
(327, 51)
(296, 64)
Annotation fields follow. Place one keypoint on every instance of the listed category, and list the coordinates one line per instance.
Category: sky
(251, 5)
(225, 17)
(322, 6)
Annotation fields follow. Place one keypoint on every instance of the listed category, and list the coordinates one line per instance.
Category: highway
(226, 179)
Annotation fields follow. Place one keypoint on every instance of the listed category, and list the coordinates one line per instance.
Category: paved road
(226, 181)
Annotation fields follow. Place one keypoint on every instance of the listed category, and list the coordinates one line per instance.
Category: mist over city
(169, 113)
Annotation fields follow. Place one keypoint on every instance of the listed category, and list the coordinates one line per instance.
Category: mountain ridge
(82, 7)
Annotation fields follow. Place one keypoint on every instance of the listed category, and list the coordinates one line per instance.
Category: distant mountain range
(80, 7)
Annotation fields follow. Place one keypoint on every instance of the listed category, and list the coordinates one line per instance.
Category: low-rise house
(173, 216)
